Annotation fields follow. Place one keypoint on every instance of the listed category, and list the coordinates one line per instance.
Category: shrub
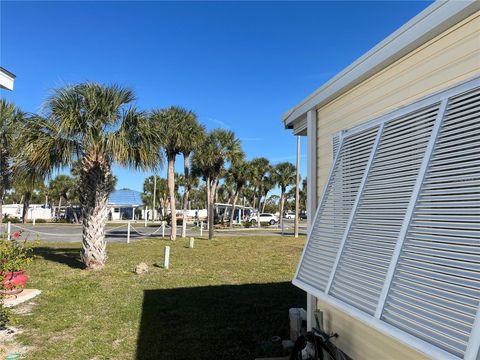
(247, 224)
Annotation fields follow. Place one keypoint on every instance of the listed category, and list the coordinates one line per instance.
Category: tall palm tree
(285, 176)
(194, 135)
(11, 122)
(171, 125)
(98, 126)
(220, 146)
(239, 173)
(260, 170)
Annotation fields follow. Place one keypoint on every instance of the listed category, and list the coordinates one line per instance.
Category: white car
(265, 218)
(289, 215)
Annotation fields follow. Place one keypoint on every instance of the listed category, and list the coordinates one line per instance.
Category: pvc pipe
(166, 258)
(128, 233)
(191, 243)
(9, 230)
(163, 229)
(201, 228)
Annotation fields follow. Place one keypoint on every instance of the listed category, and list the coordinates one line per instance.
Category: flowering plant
(14, 255)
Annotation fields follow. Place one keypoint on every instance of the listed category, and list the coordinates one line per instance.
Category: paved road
(118, 232)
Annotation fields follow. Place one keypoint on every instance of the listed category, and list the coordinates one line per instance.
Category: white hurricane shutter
(436, 288)
(335, 208)
(396, 238)
(379, 216)
(336, 140)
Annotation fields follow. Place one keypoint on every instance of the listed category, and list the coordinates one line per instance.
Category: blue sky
(238, 65)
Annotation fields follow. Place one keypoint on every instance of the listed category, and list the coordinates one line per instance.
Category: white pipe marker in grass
(191, 243)
(163, 229)
(146, 212)
(9, 230)
(166, 258)
(201, 228)
(128, 233)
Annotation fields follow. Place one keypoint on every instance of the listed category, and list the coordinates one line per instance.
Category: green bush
(13, 220)
(247, 224)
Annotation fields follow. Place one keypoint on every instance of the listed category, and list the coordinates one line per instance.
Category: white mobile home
(392, 258)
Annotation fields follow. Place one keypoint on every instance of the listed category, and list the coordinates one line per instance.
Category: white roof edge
(6, 79)
(431, 22)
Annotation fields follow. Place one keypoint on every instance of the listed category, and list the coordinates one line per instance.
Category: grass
(221, 300)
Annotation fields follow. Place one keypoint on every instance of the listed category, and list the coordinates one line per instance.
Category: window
(396, 237)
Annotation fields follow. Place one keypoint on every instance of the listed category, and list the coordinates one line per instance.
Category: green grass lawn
(221, 300)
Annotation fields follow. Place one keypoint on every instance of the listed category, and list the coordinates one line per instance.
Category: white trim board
(432, 21)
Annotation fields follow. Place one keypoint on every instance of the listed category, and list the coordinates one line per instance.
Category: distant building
(122, 204)
(6, 79)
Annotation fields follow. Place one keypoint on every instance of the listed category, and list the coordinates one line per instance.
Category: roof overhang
(6, 79)
(431, 22)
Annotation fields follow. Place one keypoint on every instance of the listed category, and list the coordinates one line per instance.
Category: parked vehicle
(289, 215)
(303, 215)
(265, 218)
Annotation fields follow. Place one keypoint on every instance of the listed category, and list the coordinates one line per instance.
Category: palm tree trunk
(59, 207)
(282, 203)
(26, 204)
(209, 190)
(234, 202)
(2, 196)
(95, 186)
(171, 190)
(186, 163)
(211, 216)
(264, 202)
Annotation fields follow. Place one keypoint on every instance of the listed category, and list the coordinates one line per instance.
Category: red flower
(16, 235)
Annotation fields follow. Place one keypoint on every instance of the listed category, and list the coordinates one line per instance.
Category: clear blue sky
(238, 65)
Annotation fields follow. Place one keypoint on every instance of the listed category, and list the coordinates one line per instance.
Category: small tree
(284, 175)
(220, 146)
(97, 126)
(172, 127)
(11, 123)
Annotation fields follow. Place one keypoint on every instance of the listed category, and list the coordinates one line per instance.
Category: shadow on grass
(215, 322)
(66, 256)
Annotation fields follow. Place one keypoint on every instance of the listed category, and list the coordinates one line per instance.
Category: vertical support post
(154, 195)
(9, 230)
(166, 258)
(146, 216)
(191, 243)
(411, 207)
(201, 228)
(297, 191)
(163, 229)
(128, 233)
(133, 213)
(311, 196)
(34, 219)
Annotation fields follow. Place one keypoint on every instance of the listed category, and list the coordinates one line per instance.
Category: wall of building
(360, 341)
(447, 60)
(444, 61)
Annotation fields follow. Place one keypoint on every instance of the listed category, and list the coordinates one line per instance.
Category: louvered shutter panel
(396, 238)
(382, 206)
(336, 139)
(335, 209)
(435, 291)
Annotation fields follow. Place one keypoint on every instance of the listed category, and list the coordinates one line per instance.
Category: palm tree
(194, 134)
(96, 125)
(239, 174)
(285, 176)
(11, 121)
(172, 127)
(220, 146)
(260, 170)
(62, 188)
